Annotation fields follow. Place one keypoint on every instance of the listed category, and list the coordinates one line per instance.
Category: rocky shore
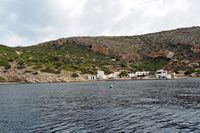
(30, 75)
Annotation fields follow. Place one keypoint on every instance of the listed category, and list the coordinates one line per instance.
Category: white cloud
(34, 21)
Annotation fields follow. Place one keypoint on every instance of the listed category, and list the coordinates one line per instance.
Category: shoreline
(74, 81)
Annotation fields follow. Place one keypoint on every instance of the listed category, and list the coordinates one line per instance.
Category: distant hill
(177, 47)
(173, 50)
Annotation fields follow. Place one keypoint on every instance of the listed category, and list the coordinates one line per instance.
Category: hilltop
(173, 50)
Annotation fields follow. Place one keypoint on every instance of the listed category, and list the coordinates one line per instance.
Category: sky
(28, 22)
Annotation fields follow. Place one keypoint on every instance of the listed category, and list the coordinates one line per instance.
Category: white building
(163, 74)
(92, 77)
(142, 73)
(101, 75)
(194, 64)
(132, 75)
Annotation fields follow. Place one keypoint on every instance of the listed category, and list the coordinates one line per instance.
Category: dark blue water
(131, 106)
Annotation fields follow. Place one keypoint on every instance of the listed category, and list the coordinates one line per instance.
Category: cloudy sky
(26, 22)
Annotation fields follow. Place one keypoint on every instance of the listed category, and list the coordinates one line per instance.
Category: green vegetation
(150, 64)
(5, 64)
(191, 71)
(6, 55)
(54, 58)
(123, 64)
(106, 70)
(74, 75)
(123, 74)
(198, 71)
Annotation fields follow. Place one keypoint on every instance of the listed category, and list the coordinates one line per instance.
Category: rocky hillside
(177, 48)
(53, 63)
(174, 50)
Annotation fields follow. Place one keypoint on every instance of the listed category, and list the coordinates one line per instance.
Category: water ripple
(132, 106)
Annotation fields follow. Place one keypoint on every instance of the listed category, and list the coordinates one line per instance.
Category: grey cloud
(32, 21)
(25, 19)
(98, 16)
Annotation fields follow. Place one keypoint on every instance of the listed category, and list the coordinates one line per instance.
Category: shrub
(85, 70)
(176, 71)
(74, 75)
(106, 70)
(123, 74)
(71, 67)
(35, 73)
(188, 72)
(198, 71)
(21, 65)
(5, 64)
(123, 64)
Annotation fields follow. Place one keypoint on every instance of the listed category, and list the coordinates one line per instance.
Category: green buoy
(111, 86)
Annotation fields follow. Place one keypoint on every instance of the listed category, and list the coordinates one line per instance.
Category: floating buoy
(111, 86)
